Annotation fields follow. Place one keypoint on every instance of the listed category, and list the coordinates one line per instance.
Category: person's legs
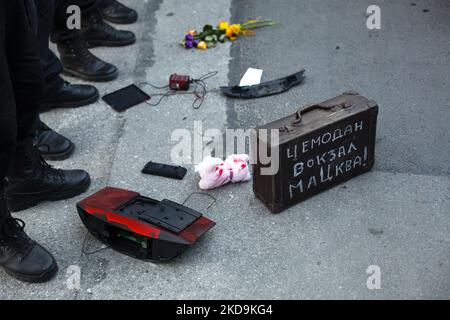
(31, 179)
(52, 145)
(73, 44)
(60, 30)
(58, 93)
(50, 63)
(77, 60)
(96, 32)
(116, 12)
(19, 255)
(53, 82)
(25, 71)
(8, 121)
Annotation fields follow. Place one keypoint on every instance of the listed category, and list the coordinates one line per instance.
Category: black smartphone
(164, 170)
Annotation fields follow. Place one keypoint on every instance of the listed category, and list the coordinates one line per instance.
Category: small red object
(179, 82)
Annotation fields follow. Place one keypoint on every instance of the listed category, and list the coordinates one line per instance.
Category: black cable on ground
(198, 83)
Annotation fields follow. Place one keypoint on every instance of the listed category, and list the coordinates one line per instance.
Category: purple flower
(189, 37)
(195, 43)
(188, 44)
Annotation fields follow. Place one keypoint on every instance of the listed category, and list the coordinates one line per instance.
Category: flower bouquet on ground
(211, 36)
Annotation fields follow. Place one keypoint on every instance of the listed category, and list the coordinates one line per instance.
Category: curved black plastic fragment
(266, 88)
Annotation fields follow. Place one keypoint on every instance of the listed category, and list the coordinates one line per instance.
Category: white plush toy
(215, 172)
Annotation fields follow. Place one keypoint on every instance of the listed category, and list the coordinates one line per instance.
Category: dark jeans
(21, 79)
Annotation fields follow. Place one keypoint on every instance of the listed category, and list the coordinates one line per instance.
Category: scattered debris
(251, 77)
(125, 98)
(266, 88)
(142, 227)
(180, 84)
(164, 170)
(376, 232)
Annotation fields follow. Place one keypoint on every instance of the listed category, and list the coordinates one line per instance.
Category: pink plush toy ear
(207, 165)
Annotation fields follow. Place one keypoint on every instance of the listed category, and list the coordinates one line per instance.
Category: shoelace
(13, 236)
(35, 160)
(48, 171)
(78, 47)
(98, 20)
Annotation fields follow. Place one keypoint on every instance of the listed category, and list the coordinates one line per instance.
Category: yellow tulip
(202, 45)
(233, 31)
(223, 25)
(237, 28)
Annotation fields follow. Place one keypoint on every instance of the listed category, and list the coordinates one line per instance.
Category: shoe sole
(105, 43)
(26, 202)
(60, 156)
(102, 78)
(43, 277)
(46, 106)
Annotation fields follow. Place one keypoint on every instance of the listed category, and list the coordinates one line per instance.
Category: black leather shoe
(51, 145)
(37, 181)
(79, 62)
(117, 12)
(70, 96)
(96, 32)
(21, 257)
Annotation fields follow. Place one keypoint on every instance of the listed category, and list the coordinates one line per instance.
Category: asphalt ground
(395, 217)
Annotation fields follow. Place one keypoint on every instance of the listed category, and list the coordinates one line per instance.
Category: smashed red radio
(142, 227)
(179, 82)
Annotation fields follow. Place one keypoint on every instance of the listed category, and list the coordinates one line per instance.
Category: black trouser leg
(25, 70)
(8, 122)
(21, 81)
(50, 63)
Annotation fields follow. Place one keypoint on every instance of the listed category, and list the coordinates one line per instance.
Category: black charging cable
(199, 90)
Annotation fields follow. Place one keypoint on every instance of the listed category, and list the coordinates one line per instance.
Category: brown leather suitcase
(320, 146)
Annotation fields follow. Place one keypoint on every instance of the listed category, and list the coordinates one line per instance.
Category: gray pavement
(396, 217)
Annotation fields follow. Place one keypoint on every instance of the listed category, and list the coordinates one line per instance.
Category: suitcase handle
(309, 107)
(301, 111)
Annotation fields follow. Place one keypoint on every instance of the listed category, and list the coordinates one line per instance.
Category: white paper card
(251, 77)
